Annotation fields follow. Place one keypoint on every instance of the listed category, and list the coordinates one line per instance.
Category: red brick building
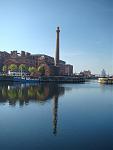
(20, 58)
(3, 56)
(35, 60)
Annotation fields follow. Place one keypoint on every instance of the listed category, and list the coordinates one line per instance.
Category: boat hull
(25, 80)
(105, 80)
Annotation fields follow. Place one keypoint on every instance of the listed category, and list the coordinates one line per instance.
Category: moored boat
(105, 80)
(25, 80)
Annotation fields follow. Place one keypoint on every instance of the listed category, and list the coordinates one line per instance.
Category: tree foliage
(4, 68)
(41, 70)
(12, 67)
(32, 70)
(23, 67)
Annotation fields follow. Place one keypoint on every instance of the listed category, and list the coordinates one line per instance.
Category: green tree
(23, 67)
(12, 67)
(4, 68)
(41, 70)
(32, 70)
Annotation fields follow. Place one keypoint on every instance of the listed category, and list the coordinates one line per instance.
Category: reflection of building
(25, 93)
(22, 94)
(38, 93)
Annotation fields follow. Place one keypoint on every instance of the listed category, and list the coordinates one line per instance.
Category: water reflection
(55, 114)
(85, 121)
(24, 93)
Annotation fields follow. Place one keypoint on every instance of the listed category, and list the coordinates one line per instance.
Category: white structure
(17, 73)
(103, 73)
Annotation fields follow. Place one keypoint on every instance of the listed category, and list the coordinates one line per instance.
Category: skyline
(85, 37)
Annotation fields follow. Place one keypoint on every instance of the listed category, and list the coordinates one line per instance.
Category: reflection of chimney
(55, 115)
(57, 47)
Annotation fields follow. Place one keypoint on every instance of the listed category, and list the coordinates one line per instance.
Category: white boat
(105, 80)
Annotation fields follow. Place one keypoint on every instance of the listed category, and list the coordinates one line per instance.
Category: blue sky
(86, 39)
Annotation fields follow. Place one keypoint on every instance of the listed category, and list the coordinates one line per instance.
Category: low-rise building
(86, 73)
(68, 70)
(35, 60)
(18, 59)
(3, 56)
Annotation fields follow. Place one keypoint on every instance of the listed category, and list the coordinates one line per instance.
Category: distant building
(103, 73)
(68, 70)
(86, 73)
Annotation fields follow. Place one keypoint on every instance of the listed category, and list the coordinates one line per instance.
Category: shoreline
(44, 79)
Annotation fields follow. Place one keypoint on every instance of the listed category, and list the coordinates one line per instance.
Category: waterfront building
(68, 70)
(20, 58)
(44, 59)
(3, 56)
(49, 64)
(34, 60)
(53, 66)
(86, 73)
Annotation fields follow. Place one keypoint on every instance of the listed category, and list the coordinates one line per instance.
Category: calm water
(56, 117)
